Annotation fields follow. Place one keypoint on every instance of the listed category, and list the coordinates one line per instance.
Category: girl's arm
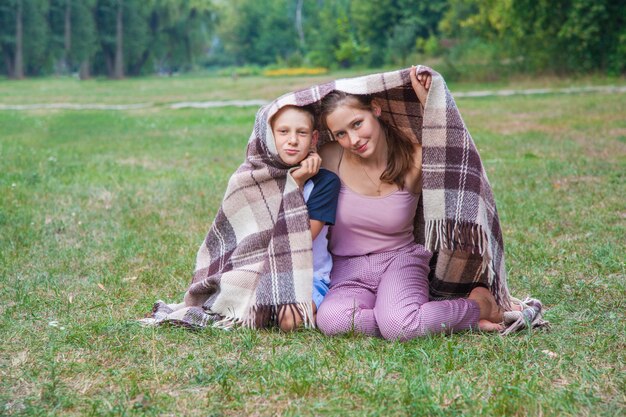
(414, 178)
(421, 84)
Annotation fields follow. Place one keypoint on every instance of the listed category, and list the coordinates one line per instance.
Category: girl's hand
(308, 168)
(421, 84)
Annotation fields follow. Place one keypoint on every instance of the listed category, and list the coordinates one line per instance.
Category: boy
(295, 137)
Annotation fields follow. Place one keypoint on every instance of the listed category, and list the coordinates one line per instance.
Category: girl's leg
(349, 304)
(402, 309)
(347, 309)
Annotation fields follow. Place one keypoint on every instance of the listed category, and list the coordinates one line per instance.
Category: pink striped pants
(386, 295)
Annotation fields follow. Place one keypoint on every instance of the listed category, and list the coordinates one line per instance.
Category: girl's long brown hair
(399, 147)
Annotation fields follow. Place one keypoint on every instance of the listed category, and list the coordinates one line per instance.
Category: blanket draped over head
(257, 254)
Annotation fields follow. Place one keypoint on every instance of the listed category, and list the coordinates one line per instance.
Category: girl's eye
(339, 135)
(358, 123)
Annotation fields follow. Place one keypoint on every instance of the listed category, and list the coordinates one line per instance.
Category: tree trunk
(84, 72)
(142, 61)
(299, 22)
(119, 43)
(18, 64)
(68, 35)
(188, 51)
(8, 61)
(109, 61)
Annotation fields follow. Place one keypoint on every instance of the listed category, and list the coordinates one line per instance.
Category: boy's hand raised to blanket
(307, 169)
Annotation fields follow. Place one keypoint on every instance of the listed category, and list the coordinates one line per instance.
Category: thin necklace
(371, 180)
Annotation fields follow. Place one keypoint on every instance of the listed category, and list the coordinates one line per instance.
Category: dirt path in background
(255, 103)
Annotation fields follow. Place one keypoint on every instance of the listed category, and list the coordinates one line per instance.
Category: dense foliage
(130, 37)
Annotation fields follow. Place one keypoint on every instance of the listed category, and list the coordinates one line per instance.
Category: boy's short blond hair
(304, 109)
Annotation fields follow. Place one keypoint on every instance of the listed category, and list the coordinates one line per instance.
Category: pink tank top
(365, 224)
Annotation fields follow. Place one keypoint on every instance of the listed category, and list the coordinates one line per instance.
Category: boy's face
(294, 134)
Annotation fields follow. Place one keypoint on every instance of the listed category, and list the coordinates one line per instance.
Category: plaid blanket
(257, 255)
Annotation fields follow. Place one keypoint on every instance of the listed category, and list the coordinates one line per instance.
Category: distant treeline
(120, 38)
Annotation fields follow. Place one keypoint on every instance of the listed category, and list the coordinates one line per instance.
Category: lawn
(101, 213)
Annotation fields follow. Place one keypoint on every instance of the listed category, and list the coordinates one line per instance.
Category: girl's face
(357, 130)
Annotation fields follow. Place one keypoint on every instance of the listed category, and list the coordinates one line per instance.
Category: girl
(379, 281)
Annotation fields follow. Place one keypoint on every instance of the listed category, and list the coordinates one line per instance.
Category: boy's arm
(316, 228)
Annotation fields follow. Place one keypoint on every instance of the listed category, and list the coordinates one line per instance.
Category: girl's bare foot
(488, 326)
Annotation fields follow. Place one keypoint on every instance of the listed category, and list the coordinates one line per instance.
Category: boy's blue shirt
(321, 193)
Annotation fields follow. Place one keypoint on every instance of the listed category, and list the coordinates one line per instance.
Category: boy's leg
(403, 310)
(289, 317)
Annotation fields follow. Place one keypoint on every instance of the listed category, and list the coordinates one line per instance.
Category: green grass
(101, 213)
(165, 90)
(157, 90)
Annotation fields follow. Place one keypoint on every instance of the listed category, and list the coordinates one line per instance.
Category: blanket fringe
(262, 316)
(444, 234)
(530, 317)
(306, 310)
(466, 237)
(227, 323)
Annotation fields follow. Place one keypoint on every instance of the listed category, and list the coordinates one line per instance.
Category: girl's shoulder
(331, 156)
(417, 155)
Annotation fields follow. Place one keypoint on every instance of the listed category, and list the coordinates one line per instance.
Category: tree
(60, 39)
(543, 35)
(122, 28)
(84, 44)
(18, 64)
(258, 31)
(332, 37)
(373, 22)
(179, 22)
(118, 62)
(23, 36)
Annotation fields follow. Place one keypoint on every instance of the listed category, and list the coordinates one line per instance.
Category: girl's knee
(326, 320)
(399, 327)
(332, 320)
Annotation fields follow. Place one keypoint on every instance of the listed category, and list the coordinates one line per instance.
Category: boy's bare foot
(491, 315)
(289, 317)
